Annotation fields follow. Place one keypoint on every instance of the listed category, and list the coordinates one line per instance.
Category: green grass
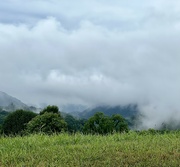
(115, 150)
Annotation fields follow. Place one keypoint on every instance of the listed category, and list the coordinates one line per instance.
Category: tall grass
(129, 149)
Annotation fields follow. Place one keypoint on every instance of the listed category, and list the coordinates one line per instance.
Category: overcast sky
(92, 52)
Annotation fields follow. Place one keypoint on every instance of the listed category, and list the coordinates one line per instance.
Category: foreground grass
(65, 150)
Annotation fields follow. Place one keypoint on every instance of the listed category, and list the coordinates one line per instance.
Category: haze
(93, 53)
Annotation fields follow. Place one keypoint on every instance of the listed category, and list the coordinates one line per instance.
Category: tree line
(50, 120)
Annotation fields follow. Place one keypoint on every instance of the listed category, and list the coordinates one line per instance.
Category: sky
(96, 52)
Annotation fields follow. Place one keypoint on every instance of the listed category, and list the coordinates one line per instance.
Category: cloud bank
(93, 53)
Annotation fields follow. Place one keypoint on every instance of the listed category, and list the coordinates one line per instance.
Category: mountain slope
(10, 103)
(126, 111)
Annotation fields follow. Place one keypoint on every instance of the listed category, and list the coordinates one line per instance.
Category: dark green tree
(0, 129)
(99, 123)
(102, 124)
(15, 122)
(3, 115)
(119, 123)
(48, 123)
(73, 124)
(50, 109)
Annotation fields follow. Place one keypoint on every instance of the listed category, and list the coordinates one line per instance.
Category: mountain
(9, 103)
(71, 108)
(127, 111)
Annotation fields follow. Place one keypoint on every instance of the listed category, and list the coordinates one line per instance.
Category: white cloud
(92, 53)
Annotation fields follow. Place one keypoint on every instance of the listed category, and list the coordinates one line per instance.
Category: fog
(98, 53)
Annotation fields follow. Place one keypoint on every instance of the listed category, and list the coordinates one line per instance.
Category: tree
(73, 124)
(50, 109)
(48, 123)
(3, 115)
(99, 123)
(119, 123)
(0, 129)
(102, 124)
(15, 122)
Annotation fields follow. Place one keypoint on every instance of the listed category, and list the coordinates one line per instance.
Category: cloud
(92, 53)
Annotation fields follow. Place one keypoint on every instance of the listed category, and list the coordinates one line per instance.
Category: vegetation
(64, 150)
(102, 124)
(48, 123)
(15, 122)
(73, 124)
(125, 111)
(119, 123)
(3, 115)
(50, 109)
(41, 140)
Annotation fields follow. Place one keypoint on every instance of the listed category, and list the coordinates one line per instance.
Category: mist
(116, 55)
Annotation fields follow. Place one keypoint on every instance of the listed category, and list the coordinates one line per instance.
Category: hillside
(127, 111)
(9, 103)
(6, 100)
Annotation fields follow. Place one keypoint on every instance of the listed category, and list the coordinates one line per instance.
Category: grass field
(130, 149)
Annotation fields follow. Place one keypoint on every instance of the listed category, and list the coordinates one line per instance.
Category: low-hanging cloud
(111, 59)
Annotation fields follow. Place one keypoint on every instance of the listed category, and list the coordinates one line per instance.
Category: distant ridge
(6, 100)
(127, 111)
(9, 103)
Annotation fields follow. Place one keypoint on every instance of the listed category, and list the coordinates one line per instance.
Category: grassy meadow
(64, 150)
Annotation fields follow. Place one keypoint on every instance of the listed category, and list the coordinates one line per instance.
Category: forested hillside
(126, 111)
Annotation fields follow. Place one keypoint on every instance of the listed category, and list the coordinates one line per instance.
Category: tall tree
(99, 123)
(102, 124)
(50, 109)
(119, 123)
(73, 124)
(48, 123)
